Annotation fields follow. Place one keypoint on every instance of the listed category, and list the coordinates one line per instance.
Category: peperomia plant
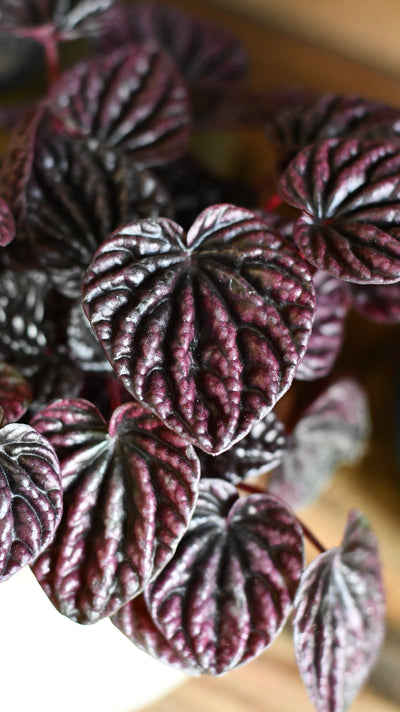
(153, 315)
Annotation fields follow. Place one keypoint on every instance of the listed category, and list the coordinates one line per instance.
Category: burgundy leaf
(331, 116)
(204, 328)
(333, 431)
(7, 224)
(76, 198)
(132, 99)
(227, 592)
(378, 302)
(68, 19)
(349, 192)
(15, 393)
(25, 325)
(30, 496)
(129, 493)
(202, 51)
(256, 454)
(333, 299)
(339, 621)
(83, 344)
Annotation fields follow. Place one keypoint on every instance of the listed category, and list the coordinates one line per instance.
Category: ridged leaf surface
(69, 18)
(30, 496)
(339, 620)
(204, 328)
(349, 194)
(129, 492)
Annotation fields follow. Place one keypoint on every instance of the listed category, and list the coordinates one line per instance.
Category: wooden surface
(271, 683)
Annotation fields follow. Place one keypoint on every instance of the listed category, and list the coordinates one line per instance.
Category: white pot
(48, 663)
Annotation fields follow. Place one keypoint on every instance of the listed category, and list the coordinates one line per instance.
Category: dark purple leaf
(204, 328)
(30, 496)
(83, 344)
(227, 592)
(256, 454)
(57, 377)
(132, 99)
(333, 431)
(76, 198)
(349, 192)
(202, 51)
(129, 493)
(135, 621)
(378, 302)
(331, 116)
(7, 224)
(333, 299)
(15, 393)
(68, 19)
(339, 621)
(25, 325)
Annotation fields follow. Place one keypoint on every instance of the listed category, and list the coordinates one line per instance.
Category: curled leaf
(333, 431)
(204, 328)
(349, 193)
(30, 496)
(339, 619)
(129, 493)
(230, 586)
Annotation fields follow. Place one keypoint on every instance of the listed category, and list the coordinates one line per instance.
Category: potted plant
(168, 339)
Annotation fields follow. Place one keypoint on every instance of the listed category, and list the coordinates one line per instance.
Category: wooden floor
(271, 683)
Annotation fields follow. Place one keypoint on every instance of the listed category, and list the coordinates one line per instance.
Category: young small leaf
(132, 99)
(349, 193)
(228, 590)
(339, 619)
(204, 328)
(30, 496)
(129, 493)
(332, 431)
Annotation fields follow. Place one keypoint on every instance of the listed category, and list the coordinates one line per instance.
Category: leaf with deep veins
(204, 328)
(132, 99)
(228, 590)
(30, 496)
(339, 620)
(129, 493)
(349, 192)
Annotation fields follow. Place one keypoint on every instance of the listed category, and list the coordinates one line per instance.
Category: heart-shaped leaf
(229, 588)
(76, 198)
(15, 393)
(333, 431)
(256, 454)
(129, 493)
(133, 99)
(339, 621)
(349, 192)
(30, 496)
(333, 300)
(378, 302)
(204, 328)
(7, 224)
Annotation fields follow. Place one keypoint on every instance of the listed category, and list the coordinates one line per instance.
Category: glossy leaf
(204, 328)
(377, 302)
(201, 50)
(76, 198)
(7, 224)
(129, 493)
(256, 454)
(333, 431)
(15, 393)
(30, 496)
(350, 197)
(339, 620)
(69, 19)
(333, 300)
(228, 590)
(132, 99)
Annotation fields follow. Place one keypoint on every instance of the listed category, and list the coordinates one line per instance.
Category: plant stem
(307, 533)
